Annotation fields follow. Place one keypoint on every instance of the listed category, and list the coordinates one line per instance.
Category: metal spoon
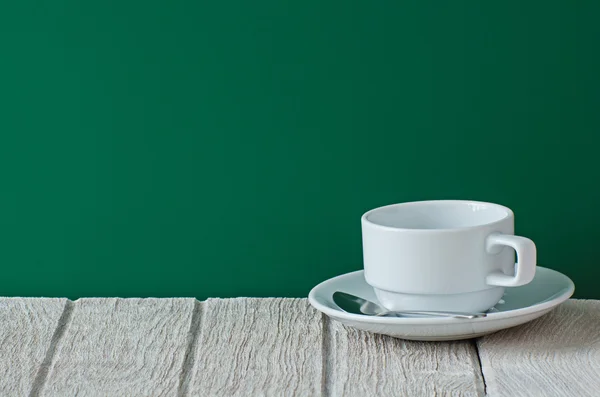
(353, 304)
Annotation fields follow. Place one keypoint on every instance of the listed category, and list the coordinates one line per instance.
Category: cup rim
(365, 216)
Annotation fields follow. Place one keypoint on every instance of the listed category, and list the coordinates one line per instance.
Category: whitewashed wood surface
(556, 355)
(27, 339)
(277, 347)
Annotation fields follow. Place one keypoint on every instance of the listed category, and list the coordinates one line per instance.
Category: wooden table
(278, 347)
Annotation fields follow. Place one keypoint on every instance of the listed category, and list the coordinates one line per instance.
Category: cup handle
(526, 259)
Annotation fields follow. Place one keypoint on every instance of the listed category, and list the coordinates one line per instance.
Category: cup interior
(442, 214)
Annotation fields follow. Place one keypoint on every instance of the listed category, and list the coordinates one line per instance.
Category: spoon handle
(404, 313)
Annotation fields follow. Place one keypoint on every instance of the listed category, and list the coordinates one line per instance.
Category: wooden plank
(249, 347)
(555, 355)
(122, 347)
(366, 364)
(27, 327)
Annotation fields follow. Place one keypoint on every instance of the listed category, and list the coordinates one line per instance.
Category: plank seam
(190, 352)
(42, 373)
(327, 357)
(480, 365)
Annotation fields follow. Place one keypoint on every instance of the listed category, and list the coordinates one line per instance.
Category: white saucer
(519, 305)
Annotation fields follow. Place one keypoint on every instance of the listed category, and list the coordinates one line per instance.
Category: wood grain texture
(258, 347)
(366, 364)
(272, 347)
(555, 355)
(27, 326)
(122, 347)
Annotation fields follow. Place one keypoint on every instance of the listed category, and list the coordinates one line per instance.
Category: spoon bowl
(357, 305)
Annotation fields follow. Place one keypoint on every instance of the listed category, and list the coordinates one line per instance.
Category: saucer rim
(527, 310)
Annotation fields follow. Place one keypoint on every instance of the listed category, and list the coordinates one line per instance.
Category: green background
(229, 148)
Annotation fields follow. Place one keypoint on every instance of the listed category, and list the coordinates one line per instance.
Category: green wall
(228, 148)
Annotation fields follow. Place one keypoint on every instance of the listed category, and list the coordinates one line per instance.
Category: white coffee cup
(448, 255)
